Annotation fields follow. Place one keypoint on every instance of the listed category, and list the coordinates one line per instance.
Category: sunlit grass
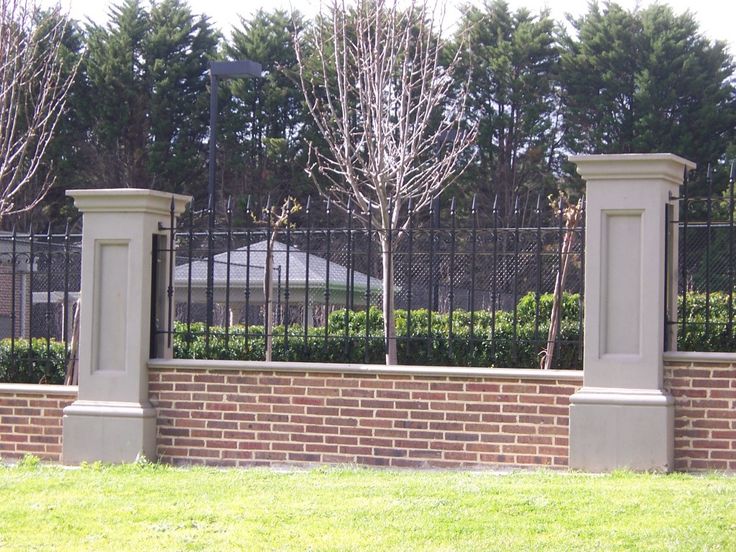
(153, 507)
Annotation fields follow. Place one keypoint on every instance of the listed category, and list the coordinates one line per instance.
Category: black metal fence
(40, 283)
(707, 262)
(468, 291)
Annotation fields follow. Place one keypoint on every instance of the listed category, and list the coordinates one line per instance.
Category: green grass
(153, 507)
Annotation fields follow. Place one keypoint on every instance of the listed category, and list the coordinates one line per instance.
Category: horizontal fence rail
(707, 262)
(469, 291)
(40, 282)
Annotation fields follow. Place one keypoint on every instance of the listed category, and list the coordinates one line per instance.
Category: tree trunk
(389, 320)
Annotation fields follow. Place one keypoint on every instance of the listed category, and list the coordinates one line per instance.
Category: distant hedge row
(502, 341)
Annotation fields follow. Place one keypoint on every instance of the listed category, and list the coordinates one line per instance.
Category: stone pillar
(622, 417)
(112, 420)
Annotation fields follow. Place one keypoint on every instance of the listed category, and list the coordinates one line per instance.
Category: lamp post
(219, 70)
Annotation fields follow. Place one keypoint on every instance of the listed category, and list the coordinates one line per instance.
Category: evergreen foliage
(511, 59)
(646, 81)
(147, 72)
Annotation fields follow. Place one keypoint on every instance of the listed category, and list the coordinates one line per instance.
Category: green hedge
(718, 335)
(484, 342)
(37, 363)
(492, 342)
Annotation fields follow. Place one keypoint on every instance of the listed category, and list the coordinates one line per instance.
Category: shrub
(21, 362)
(424, 338)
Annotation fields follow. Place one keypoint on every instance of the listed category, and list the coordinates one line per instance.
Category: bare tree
(380, 97)
(33, 88)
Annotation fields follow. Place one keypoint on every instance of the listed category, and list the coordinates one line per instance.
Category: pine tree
(511, 60)
(646, 81)
(147, 71)
(265, 117)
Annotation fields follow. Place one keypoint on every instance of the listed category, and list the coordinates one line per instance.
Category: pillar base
(621, 428)
(114, 432)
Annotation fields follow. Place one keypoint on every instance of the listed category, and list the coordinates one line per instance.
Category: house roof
(297, 270)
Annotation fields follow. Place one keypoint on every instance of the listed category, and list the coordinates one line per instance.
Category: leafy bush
(717, 335)
(21, 362)
(423, 338)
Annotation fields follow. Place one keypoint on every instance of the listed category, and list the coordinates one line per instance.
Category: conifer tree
(147, 71)
(511, 59)
(646, 81)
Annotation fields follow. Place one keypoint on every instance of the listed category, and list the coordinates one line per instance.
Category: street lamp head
(234, 69)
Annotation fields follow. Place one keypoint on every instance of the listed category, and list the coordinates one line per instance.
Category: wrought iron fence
(40, 282)
(707, 262)
(468, 291)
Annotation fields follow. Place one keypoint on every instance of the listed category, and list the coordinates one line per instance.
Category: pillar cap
(632, 166)
(128, 200)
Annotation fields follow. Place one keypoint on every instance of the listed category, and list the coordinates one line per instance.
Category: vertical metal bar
(170, 265)
(451, 295)
(410, 264)
(538, 294)
(278, 316)
(31, 259)
(49, 260)
(285, 316)
(494, 276)
(731, 271)
(683, 256)
(515, 287)
(667, 222)
(307, 308)
(65, 310)
(473, 265)
(155, 258)
(228, 259)
(209, 290)
(190, 261)
(708, 227)
(13, 315)
(430, 284)
(268, 291)
(368, 282)
(246, 322)
(212, 205)
(348, 300)
(327, 271)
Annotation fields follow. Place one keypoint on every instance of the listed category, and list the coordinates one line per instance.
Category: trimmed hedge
(718, 335)
(34, 363)
(492, 342)
(461, 340)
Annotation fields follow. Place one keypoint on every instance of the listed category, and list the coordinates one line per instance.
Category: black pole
(211, 201)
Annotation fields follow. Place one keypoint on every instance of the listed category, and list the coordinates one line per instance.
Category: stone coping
(686, 356)
(369, 369)
(37, 388)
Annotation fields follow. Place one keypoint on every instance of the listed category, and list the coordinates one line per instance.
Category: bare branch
(33, 87)
(375, 85)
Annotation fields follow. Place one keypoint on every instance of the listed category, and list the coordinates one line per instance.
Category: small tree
(276, 220)
(380, 97)
(33, 89)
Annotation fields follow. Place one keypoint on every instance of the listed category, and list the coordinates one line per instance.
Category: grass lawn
(152, 507)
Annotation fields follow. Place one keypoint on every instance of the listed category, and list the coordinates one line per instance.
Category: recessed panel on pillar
(111, 303)
(621, 247)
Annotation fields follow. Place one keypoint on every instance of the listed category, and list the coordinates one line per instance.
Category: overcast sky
(717, 18)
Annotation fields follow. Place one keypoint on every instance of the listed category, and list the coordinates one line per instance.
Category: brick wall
(30, 419)
(704, 388)
(226, 417)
